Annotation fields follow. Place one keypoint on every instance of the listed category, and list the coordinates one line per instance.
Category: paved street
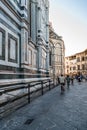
(52, 111)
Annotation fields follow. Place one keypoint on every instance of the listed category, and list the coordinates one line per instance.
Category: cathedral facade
(24, 39)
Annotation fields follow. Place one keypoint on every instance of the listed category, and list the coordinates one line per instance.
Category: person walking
(58, 80)
(79, 79)
(68, 81)
(62, 83)
(72, 80)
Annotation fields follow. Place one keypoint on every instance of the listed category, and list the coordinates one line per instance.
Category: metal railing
(22, 93)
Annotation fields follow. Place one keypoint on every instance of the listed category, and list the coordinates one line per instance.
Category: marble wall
(24, 39)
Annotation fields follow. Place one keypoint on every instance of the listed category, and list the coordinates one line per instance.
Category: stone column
(33, 20)
(39, 54)
(47, 37)
(39, 40)
(24, 42)
(24, 35)
(47, 60)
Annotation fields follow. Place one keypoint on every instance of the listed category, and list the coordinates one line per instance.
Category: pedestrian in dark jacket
(72, 79)
(68, 81)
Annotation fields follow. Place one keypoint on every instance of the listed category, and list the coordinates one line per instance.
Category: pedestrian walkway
(52, 111)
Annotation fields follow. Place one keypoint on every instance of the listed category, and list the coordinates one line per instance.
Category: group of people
(81, 77)
(65, 80)
(69, 79)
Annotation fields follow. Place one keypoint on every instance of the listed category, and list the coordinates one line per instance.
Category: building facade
(39, 21)
(76, 63)
(57, 54)
(24, 38)
(71, 65)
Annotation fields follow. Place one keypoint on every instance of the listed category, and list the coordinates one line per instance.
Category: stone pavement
(52, 111)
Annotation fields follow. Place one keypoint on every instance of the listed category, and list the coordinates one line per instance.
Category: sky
(69, 20)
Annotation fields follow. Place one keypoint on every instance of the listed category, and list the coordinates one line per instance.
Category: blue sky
(69, 20)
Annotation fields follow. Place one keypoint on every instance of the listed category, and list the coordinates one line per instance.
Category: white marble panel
(35, 57)
(11, 24)
(0, 43)
(30, 57)
(6, 54)
(26, 42)
(12, 49)
(9, 63)
(10, 13)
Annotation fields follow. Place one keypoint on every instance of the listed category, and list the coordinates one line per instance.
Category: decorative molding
(2, 57)
(11, 41)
